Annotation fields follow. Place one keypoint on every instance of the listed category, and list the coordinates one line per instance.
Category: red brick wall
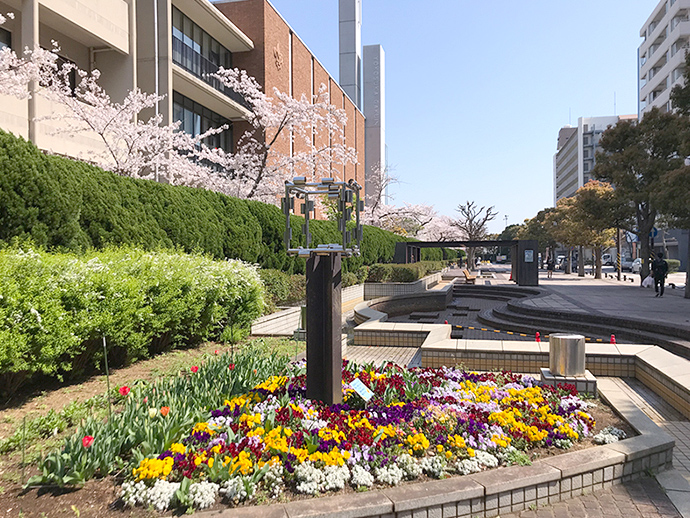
(360, 168)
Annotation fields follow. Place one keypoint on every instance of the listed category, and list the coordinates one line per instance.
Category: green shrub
(55, 308)
(673, 265)
(362, 274)
(404, 273)
(283, 289)
(349, 279)
(380, 273)
(70, 205)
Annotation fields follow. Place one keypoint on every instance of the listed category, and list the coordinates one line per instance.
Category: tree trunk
(581, 261)
(597, 251)
(569, 261)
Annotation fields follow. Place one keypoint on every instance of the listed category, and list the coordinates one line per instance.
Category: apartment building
(661, 56)
(168, 47)
(574, 160)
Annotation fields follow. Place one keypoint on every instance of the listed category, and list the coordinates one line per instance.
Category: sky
(476, 92)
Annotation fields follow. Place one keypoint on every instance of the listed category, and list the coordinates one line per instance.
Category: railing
(197, 65)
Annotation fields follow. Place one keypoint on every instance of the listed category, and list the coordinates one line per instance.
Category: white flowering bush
(273, 480)
(360, 477)
(410, 466)
(467, 466)
(609, 435)
(237, 489)
(57, 307)
(310, 479)
(203, 494)
(434, 467)
(390, 474)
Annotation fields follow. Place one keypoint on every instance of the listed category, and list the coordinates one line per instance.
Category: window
(586, 167)
(196, 119)
(194, 49)
(5, 38)
(585, 153)
(585, 140)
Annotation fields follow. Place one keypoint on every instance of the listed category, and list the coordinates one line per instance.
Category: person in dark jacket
(660, 271)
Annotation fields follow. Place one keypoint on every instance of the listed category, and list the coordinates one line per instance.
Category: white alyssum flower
(390, 474)
(433, 466)
(203, 494)
(361, 477)
(467, 466)
(410, 466)
(160, 496)
(309, 478)
(236, 490)
(134, 493)
(563, 444)
(336, 478)
(485, 459)
(273, 480)
(609, 435)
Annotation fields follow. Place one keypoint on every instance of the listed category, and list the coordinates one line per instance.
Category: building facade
(574, 160)
(169, 47)
(661, 56)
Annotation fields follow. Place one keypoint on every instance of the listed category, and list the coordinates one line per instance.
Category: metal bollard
(567, 354)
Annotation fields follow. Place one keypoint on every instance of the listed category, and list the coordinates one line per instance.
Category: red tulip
(231, 366)
(124, 390)
(216, 352)
(87, 441)
(194, 369)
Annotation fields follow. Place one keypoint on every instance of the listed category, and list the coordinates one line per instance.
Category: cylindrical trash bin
(567, 354)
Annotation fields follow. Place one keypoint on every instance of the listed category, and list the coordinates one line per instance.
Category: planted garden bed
(179, 443)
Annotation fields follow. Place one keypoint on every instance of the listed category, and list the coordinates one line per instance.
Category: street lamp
(324, 320)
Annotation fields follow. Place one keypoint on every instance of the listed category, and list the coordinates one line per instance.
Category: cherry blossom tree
(314, 128)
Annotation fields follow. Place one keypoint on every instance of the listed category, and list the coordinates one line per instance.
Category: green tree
(636, 155)
(541, 229)
(598, 212)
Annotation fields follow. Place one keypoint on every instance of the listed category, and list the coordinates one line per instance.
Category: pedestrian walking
(660, 271)
(550, 267)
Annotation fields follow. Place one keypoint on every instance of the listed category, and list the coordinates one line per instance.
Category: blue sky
(477, 91)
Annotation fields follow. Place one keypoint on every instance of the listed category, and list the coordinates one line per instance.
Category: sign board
(365, 393)
(529, 256)
(654, 232)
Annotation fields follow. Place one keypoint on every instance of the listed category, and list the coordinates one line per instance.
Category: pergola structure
(524, 256)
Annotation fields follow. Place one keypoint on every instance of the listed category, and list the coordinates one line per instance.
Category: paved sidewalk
(607, 297)
(642, 498)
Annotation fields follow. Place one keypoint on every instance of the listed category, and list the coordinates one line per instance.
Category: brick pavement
(643, 498)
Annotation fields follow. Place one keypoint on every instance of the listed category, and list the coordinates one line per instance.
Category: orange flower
(165, 410)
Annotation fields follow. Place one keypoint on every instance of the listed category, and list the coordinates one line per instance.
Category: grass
(46, 431)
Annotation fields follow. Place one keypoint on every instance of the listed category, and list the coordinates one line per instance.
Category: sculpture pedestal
(324, 324)
(586, 384)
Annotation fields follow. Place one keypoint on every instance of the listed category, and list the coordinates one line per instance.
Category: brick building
(281, 60)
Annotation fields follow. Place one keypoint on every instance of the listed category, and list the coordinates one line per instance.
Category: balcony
(197, 65)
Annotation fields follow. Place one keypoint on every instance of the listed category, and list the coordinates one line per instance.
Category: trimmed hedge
(69, 205)
(673, 265)
(403, 272)
(55, 308)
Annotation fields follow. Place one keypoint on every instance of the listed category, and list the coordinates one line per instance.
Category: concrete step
(506, 319)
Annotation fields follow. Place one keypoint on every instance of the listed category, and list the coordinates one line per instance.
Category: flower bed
(420, 422)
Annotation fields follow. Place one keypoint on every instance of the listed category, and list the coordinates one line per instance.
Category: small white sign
(362, 389)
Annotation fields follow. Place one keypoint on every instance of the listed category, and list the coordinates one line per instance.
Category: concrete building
(350, 38)
(375, 111)
(169, 47)
(661, 56)
(575, 154)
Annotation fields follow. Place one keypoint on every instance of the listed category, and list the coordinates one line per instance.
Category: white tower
(350, 16)
(375, 113)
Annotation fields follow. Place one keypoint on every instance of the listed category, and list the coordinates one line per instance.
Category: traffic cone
(445, 321)
(613, 339)
(537, 337)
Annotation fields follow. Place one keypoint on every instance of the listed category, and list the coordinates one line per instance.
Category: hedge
(55, 308)
(403, 272)
(69, 205)
(673, 265)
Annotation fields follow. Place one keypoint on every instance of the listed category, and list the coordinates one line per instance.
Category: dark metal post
(618, 252)
(324, 345)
